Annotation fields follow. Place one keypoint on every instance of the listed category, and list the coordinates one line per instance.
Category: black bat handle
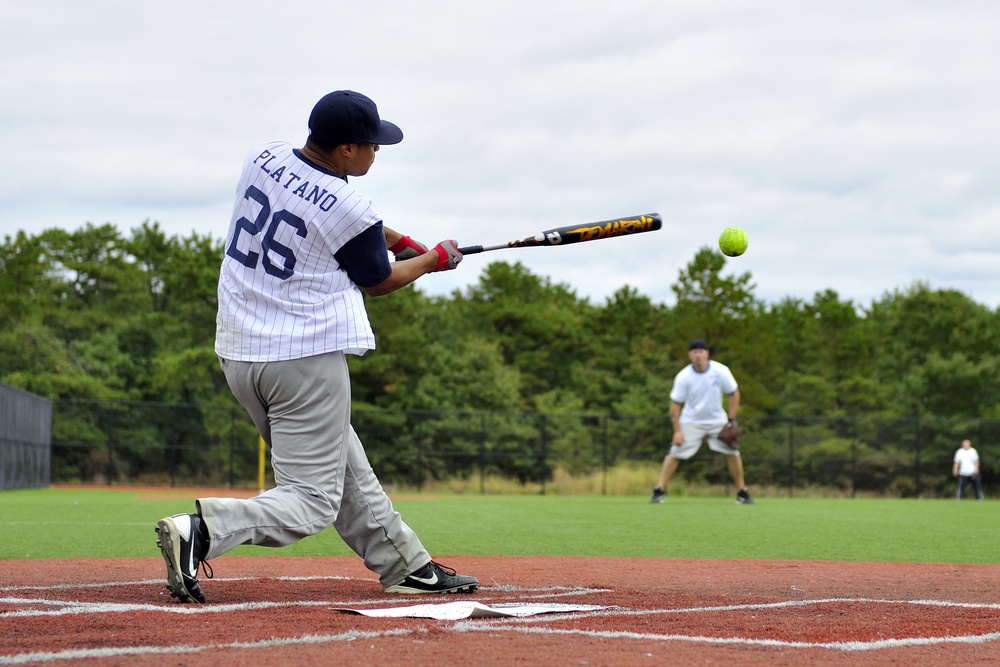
(471, 249)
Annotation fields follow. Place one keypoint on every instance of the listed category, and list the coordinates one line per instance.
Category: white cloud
(855, 141)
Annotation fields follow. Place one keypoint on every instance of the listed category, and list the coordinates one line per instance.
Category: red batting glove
(407, 248)
(448, 255)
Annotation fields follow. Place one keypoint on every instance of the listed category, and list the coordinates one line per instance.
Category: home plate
(454, 611)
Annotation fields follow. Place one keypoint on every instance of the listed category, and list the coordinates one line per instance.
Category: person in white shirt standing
(966, 469)
(303, 249)
(699, 388)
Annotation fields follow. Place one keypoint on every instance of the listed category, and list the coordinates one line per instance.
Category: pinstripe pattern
(317, 308)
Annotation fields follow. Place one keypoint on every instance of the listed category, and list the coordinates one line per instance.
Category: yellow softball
(733, 241)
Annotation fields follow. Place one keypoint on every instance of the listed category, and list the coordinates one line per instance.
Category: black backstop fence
(217, 445)
(25, 439)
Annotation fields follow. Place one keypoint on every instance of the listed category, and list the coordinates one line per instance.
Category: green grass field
(103, 523)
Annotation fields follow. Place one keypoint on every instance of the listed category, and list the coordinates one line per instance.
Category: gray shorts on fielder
(695, 434)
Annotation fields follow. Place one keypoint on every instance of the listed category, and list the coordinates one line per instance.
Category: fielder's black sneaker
(434, 578)
(658, 495)
(183, 543)
(743, 497)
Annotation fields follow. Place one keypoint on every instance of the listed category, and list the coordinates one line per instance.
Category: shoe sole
(407, 590)
(168, 539)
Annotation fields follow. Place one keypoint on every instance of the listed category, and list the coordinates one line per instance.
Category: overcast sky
(857, 142)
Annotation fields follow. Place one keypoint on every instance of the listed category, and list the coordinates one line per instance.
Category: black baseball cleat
(658, 495)
(743, 497)
(434, 578)
(183, 544)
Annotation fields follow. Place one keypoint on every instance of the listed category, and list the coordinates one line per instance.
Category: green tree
(629, 356)
(405, 323)
(24, 283)
(724, 312)
(709, 305)
(99, 281)
(465, 374)
(915, 329)
(952, 386)
(825, 356)
(539, 326)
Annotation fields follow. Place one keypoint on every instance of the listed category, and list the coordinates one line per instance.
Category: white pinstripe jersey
(282, 294)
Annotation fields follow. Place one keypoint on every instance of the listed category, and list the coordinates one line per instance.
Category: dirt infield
(280, 611)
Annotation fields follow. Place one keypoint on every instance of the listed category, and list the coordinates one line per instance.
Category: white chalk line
(73, 523)
(543, 591)
(50, 607)
(522, 625)
(85, 654)
(471, 626)
(71, 607)
(159, 582)
(546, 592)
(759, 606)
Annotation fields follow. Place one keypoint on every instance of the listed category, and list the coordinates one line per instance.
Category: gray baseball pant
(302, 408)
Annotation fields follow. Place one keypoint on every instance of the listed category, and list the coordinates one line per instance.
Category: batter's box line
(851, 646)
(250, 646)
(159, 582)
(75, 607)
(757, 606)
(545, 591)
(537, 592)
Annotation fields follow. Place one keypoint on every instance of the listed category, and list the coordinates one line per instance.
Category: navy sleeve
(365, 257)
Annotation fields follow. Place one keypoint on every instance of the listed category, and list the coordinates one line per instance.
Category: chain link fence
(25, 439)
(163, 444)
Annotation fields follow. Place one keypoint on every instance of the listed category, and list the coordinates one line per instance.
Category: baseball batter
(303, 248)
(699, 388)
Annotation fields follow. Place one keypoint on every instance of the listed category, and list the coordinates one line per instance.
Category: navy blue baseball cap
(347, 117)
(697, 344)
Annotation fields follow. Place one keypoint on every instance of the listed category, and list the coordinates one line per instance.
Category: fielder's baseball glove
(730, 434)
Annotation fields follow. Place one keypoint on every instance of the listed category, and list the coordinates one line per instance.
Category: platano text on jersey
(325, 200)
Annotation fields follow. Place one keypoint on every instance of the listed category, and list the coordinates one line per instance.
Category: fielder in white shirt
(966, 469)
(303, 249)
(699, 388)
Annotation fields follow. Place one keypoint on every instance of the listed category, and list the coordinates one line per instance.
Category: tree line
(98, 314)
